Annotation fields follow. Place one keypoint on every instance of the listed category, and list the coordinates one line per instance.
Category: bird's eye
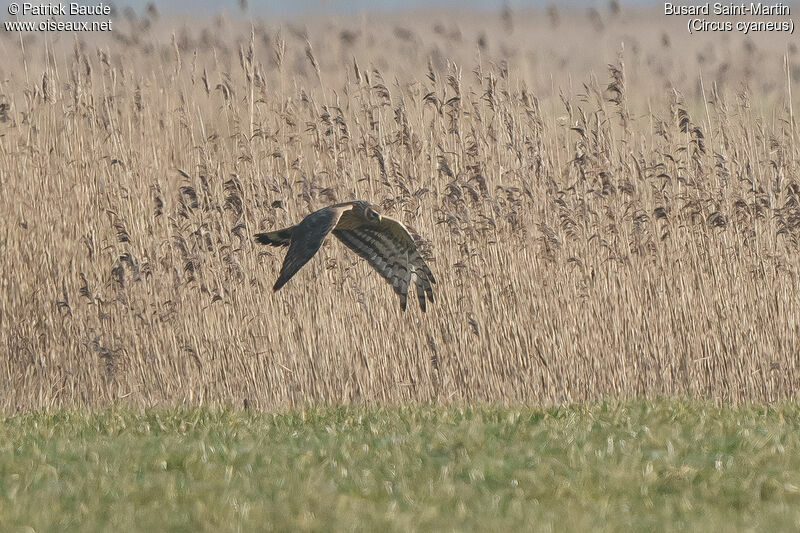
(371, 214)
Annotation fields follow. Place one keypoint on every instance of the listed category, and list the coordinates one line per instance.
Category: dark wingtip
(278, 238)
(262, 238)
(278, 284)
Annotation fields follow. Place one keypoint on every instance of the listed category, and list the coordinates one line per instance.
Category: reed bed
(610, 206)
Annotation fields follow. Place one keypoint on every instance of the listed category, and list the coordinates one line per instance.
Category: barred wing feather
(391, 251)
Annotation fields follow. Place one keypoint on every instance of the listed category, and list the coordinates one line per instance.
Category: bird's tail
(281, 237)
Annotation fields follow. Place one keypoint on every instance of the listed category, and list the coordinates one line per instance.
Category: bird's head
(372, 214)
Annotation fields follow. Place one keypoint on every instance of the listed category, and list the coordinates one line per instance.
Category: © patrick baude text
(49, 9)
(748, 17)
(30, 16)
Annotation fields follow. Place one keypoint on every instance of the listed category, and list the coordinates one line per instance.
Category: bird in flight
(385, 244)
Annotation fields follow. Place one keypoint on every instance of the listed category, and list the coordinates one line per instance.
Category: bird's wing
(389, 248)
(306, 238)
(281, 237)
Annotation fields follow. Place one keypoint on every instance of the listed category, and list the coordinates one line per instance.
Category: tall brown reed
(597, 230)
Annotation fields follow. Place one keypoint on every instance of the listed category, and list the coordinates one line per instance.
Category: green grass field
(640, 465)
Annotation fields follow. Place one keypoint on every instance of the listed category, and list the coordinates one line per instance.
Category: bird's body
(385, 243)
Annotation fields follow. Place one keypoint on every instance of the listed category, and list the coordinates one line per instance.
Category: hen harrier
(383, 242)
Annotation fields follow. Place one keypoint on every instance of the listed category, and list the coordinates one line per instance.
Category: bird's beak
(380, 219)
